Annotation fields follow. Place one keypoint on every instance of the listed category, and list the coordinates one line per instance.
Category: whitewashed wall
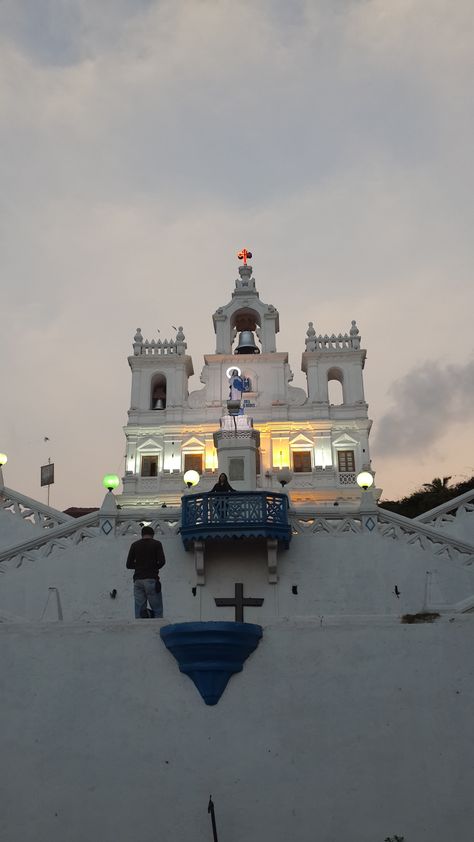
(351, 730)
(344, 574)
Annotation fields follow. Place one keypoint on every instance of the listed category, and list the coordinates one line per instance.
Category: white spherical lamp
(3, 459)
(191, 478)
(284, 476)
(365, 480)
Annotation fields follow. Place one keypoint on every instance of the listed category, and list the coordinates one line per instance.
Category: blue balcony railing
(243, 514)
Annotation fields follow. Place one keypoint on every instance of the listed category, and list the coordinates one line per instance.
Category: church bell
(246, 343)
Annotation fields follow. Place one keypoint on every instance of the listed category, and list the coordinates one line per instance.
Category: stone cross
(238, 602)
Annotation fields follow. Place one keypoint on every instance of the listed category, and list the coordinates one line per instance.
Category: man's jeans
(144, 591)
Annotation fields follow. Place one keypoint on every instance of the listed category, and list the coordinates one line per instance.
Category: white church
(313, 669)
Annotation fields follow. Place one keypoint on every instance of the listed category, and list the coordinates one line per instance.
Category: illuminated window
(302, 461)
(193, 462)
(149, 466)
(346, 461)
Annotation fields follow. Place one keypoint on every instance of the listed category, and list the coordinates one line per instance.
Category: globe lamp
(110, 481)
(191, 478)
(284, 476)
(365, 480)
(3, 459)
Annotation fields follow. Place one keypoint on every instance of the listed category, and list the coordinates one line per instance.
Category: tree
(430, 495)
(437, 485)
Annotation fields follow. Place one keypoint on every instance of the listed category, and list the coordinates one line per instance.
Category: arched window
(335, 387)
(158, 392)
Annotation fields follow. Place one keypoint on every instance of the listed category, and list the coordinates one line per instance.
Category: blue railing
(243, 514)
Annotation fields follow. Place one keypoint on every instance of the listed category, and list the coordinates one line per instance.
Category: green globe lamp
(110, 481)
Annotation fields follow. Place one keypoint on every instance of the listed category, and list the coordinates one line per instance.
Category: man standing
(146, 558)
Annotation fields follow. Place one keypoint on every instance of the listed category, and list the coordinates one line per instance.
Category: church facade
(170, 430)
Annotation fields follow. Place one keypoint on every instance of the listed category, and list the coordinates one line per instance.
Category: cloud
(427, 399)
(145, 142)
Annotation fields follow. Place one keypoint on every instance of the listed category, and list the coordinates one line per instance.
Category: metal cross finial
(242, 255)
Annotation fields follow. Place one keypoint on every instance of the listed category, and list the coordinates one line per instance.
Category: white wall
(351, 730)
(344, 574)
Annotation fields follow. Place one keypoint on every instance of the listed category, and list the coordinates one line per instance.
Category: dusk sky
(144, 143)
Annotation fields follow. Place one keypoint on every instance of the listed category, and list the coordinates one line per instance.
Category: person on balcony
(146, 558)
(222, 485)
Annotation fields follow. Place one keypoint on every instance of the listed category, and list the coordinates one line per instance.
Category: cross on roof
(242, 255)
(238, 602)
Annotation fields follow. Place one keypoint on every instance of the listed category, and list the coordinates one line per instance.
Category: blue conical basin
(211, 652)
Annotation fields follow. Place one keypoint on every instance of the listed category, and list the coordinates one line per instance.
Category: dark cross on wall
(238, 602)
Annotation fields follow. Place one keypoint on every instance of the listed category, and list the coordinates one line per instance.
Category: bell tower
(244, 313)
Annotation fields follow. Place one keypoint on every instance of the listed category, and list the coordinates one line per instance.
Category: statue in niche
(236, 388)
(236, 385)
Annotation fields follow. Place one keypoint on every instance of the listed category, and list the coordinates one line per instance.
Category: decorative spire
(354, 334)
(138, 342)
(310, 341)
(181, 345)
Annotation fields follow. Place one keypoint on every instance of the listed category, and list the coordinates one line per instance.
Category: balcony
(347, 478)
(243, 514)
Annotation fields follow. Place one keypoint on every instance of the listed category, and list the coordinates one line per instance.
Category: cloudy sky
(145, 142)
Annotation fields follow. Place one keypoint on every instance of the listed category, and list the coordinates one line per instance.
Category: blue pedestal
(211, 652)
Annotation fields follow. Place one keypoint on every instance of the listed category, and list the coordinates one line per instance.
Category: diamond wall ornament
(370, 524)
(107, 527)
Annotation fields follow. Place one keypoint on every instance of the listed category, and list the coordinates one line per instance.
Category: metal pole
(210, 809)
(49, 486)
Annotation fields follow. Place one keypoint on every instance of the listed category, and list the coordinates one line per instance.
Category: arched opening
(335, 387)
(245, 321)
(158, 392)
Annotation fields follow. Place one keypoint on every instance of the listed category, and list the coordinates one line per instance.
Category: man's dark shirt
(146, 557)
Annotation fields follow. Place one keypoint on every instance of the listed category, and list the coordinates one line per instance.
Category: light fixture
(3, 459)
(365, 480)
(284, 476)
(110, 481)
(191, 478)
(233, 408)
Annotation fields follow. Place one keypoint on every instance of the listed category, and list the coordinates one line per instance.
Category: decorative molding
(446, 514)
(342, 342)
(31, 511)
